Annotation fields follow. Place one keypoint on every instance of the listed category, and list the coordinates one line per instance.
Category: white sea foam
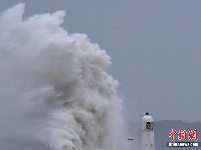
(53, 86)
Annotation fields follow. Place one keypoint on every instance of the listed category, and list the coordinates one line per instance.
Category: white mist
(54, 88)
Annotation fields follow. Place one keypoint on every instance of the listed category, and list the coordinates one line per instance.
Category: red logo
(182, 135)
(192, 134)
(172, 134)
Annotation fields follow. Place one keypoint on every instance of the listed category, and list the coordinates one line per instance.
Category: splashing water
(53, 85)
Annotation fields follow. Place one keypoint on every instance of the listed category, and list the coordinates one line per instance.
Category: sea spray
(54, 88)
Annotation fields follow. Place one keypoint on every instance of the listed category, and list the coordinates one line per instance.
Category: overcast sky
(155, 48)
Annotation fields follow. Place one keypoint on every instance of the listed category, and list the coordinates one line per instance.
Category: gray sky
(155, 48)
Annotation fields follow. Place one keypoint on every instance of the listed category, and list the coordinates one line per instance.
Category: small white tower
(147, 132)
